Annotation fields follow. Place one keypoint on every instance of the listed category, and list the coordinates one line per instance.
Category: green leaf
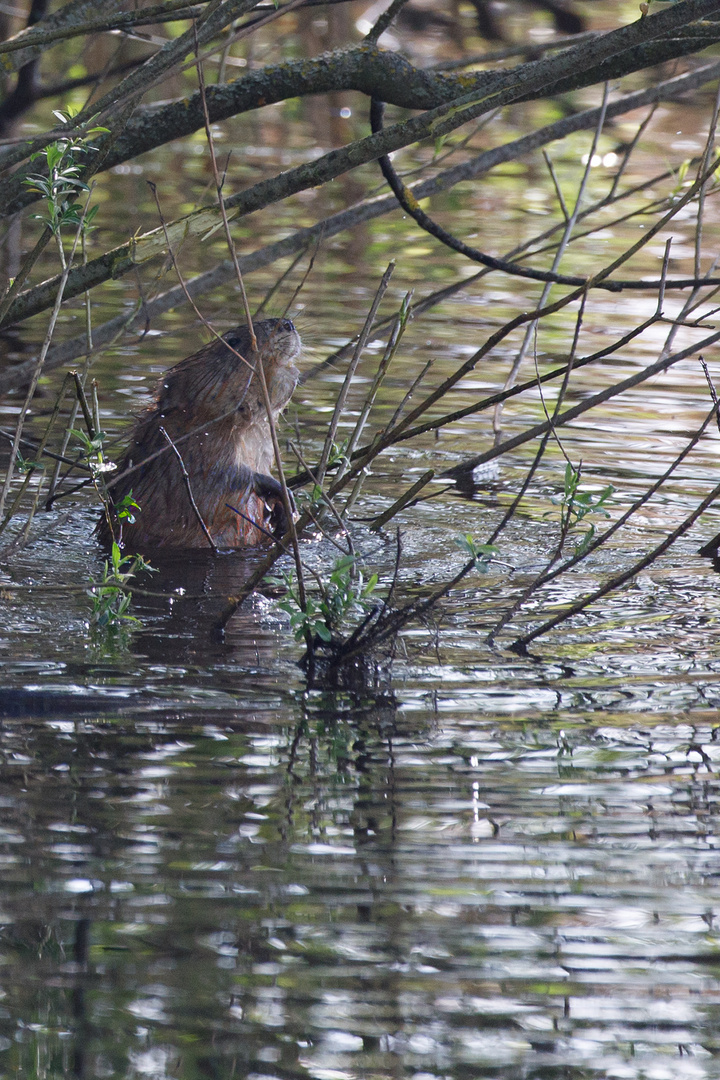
(371, 583)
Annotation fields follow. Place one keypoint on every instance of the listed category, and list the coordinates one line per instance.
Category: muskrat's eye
(286, 325)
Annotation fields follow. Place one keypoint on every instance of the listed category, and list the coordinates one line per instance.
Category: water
(335, 887)
(469, 864)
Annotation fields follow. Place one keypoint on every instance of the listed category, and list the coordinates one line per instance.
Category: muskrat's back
(211, 407)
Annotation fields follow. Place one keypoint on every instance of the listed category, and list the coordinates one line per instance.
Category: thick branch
(119, 261)
(70, 21)
(113, 106)
(29, 43)
(390, 78)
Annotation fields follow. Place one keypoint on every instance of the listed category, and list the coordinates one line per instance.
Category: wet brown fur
(211, 406)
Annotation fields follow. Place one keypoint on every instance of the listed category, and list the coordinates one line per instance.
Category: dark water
(468, 864)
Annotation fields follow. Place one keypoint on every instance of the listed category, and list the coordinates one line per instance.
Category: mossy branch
(119, 261)
(128, 92)
(70, 22)
(452, 98)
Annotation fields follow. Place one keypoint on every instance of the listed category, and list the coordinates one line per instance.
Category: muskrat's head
(278, 341)
(219, 378)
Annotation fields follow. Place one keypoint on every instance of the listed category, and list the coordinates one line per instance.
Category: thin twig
(261, 528)
(521, 643)
(570, 222)
(387, 515)
(40, 450)
(259, 368)
(711, 388)
(602, 539)
(188, 488)
(66, 264)
(342, 396)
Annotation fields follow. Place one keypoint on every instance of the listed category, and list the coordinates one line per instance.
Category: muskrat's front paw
(271, 494)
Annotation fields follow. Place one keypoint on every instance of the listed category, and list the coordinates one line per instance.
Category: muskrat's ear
(238, 339)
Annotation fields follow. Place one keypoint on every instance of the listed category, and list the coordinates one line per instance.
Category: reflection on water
(339, 888)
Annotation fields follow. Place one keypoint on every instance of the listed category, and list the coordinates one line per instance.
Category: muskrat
(212, 408)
